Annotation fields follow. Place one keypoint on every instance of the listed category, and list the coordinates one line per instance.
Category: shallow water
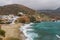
(42, 31)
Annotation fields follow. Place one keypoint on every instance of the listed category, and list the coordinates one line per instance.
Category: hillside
(14, 9)
(52, 13)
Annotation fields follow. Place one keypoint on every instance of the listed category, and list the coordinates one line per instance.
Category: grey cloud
(35, 4)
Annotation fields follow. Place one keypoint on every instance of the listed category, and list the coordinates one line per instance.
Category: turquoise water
(45, 31)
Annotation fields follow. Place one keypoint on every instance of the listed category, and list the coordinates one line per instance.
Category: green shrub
(1, 22)
(2, 32)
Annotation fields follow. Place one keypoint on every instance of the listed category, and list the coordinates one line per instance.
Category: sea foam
(26, 28)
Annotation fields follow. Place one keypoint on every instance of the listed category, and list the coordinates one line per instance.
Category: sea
(42, 31)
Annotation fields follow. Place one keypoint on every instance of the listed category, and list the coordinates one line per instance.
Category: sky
(34, 4)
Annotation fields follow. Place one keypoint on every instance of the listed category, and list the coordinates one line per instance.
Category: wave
(26, 28)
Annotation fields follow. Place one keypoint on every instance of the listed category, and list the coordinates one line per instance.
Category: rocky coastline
(10, 24)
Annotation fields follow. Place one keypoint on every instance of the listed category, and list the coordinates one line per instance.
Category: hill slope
(14, 9)
(52, 13)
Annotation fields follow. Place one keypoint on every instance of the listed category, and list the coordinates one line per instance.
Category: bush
(2, 32)
(1, 22)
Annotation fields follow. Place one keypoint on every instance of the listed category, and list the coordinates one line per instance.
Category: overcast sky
(34, 4)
